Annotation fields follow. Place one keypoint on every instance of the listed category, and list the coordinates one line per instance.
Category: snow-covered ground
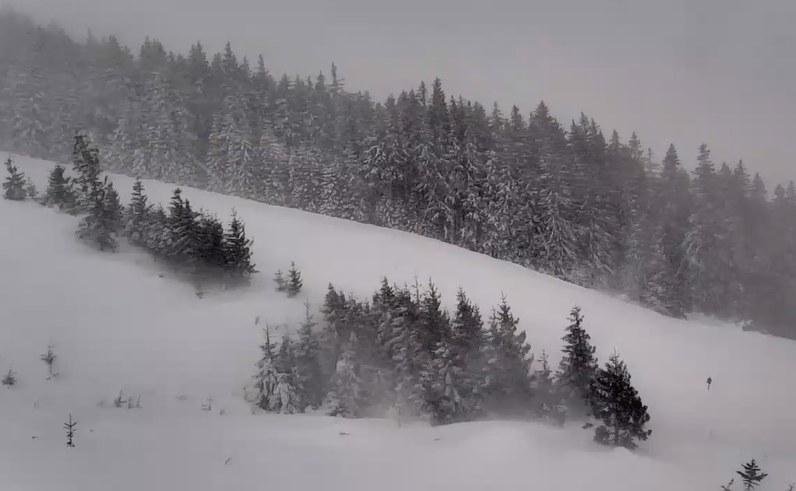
(120, 321)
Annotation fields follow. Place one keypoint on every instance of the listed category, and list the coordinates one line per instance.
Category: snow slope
(122, 321)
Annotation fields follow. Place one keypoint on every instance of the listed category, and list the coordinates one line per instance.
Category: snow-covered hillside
(120, 321)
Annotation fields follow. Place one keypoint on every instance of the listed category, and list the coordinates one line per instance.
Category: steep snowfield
(116, 323)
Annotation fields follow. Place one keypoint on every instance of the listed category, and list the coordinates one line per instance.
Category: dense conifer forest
(569, 199)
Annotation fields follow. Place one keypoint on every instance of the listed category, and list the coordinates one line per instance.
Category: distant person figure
(709, 381)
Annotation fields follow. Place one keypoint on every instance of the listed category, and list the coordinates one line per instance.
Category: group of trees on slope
(402, 352)
(192, 241)
(570, 201)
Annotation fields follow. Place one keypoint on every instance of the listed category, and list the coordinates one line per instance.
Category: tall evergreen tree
(14, 185)
(615, 402)
(578, 366)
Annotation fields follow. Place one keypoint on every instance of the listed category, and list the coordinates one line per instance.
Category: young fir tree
(10, 378)
(237, 249)
(85, 161)
(59, 190)
(615, 402)
(14, 185)
(265, 381)
(508, 363)
(751, 475)
(30, 189)
(103, 218)
(294, 281)
(578, 365)
(70, 426)
(309, 377)
(346, 396)
(49, 359)
(279, 279)
(286, 397)
(137, 214)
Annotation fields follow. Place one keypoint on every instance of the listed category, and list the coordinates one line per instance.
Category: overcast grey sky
(719, 71)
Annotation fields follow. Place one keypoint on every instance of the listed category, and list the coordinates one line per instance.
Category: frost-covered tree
(266, 379)
(309, 376)
(346, 396)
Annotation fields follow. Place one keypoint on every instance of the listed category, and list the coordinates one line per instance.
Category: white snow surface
(123, 321)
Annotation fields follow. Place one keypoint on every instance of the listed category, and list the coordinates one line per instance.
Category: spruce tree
(237, 249)
(578, 365)
(137, 214)
(103, 218)
(14, 185)
(508, 363)
(266, 379)
(294, 281)
(615, 402)
(346, 396)
(751, 475)
(59, 190)
(309, 377)
(86, 164)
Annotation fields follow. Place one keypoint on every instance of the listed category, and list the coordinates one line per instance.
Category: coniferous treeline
(403, 353)
(594, 210)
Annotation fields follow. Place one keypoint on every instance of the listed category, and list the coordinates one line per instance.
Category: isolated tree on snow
(751, 475)
(578, 365)
(615, 402)
(294, 282)
(14, 185)
(49, 359)
(70, 426)
(10, 378)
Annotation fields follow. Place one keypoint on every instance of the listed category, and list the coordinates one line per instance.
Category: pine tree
(346, 396)
(85, 161)
(59, 190)
(14, 185)
(294, 281)
(309, 377)
(70, 426)
(103, 218)
(751, 475)
(508, 363)
(578, 365)
(266, 379)
(615, 402)
(10, 378)
(137, 214)
(237, 249)
(285, 397)
(279, 279)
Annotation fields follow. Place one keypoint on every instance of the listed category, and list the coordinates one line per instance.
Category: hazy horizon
(720, 72)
